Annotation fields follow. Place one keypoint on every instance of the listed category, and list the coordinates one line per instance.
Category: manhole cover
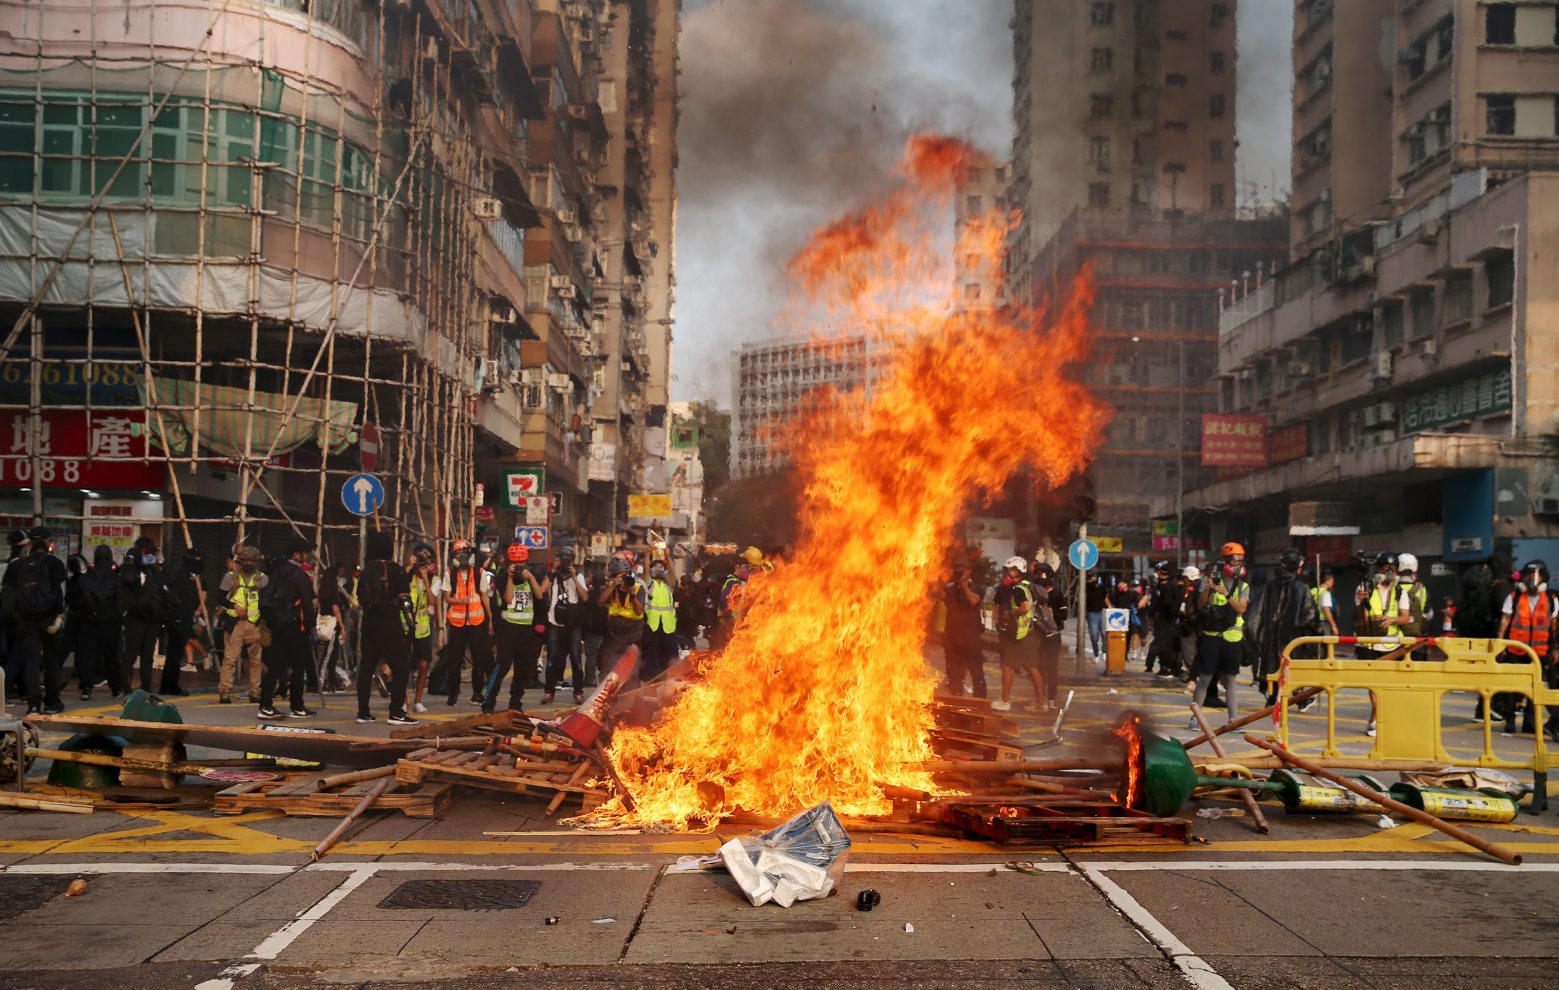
(462, 895)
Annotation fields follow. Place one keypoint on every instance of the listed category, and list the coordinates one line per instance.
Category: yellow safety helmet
(753, 556)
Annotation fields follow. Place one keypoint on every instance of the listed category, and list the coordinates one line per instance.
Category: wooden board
(428, 729)
(1066, 822)
(497, 772)
(335, 750)
(300, 795)
(967, 745)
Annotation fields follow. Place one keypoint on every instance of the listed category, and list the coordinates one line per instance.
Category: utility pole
(1180, 465)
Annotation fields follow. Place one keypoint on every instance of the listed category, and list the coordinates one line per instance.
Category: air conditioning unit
(585, 33)
(503, 313)
(530, 376)
(1321, 146)
(1371, 416)
(1546, 505)
(1440, 115)
(560, 382)
(566, 216)
(1298, 368)
(1323, 70)
(565, 291)
(1384, 362)
(583, 156)
(1429, 230)
(560, 282)
(1367, 264)
(487, 207)
(1416, 130)
(1429, 349)
(576, 11)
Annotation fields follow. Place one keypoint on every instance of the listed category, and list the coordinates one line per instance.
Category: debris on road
(802, 859)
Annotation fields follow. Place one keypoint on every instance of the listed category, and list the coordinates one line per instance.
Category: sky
(794, 109)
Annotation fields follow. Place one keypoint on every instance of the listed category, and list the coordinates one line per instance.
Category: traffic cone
(585, 724)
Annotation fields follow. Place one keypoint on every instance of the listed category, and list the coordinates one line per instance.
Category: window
(1174, 125)
(1174, 79)
(1215, 105)
(1416, 60)
(1501, 114)
(1099, 153)
(1099, 194)
(1215, 151)
(1215, 195)
(1175, 35)
(1219, 15)
(1215, 62)
(17, 140)
(1100, 105)
(1137, 111)
(1103, 59)
(1499, 24)
(973, 204)
(1101, 14)
(1139, 151)
(971, 291)
(1501, 272)
(1456, 300)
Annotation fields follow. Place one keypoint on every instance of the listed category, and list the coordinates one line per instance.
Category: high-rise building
(981, 195)
(1402, 363)
(1118, 105)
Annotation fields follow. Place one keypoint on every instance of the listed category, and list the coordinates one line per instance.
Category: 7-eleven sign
(519, 484)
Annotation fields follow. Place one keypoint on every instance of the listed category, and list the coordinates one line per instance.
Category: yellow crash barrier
(1408, 696)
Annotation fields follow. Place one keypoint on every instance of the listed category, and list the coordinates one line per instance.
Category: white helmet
(1018, 563)
(1191, 573)
(1407, 563)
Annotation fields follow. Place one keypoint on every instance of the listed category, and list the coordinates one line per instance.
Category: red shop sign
(78, 449)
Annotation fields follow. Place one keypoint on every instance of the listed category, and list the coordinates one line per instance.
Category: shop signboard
(1472, 398)
(649, 506)
(1234, 441)
(521, 483)
(78, 448)
(1291, 443)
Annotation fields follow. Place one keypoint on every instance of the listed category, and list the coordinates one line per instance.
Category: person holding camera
(419, 576)
(388, 624)
(962, 648)
(662, 648)
(467, 591)
(626, 603)
(1222, 599)
(242, 624)
(566, 592)
(520, 632)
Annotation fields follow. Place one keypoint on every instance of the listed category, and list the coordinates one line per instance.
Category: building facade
(235, 280)
(1118, 105)
(1407, 359)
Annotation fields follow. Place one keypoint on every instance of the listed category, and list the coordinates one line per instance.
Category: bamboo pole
(1407, 811)
(1249, 799)
(45, 804)
(355, 777)
(1245, 720)
(1013, 766)
(347, 822)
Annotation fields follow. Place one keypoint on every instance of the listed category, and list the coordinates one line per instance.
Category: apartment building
(981, 195)
(1118, 105)
(258, 248)
(1408, 360)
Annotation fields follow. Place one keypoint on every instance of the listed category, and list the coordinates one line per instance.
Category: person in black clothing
(384, 592)
(13, 669)
(287, 606)
(1043, 577)
(1287, 610)
(961, 644)
(179, 624)
(35, 606)
(592, 625)
(1164, 601)
(96, 603)
(149, 604)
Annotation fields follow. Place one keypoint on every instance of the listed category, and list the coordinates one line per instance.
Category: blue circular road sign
(362, 494)
(1083, 554)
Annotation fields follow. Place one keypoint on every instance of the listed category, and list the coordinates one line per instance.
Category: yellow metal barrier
(1408, 696)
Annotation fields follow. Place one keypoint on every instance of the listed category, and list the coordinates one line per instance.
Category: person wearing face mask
(1221, 602)
(98, 640)
(466, 591)
(625, 600)
(1384, 610)
(419, 572)
(287, 606)
(563, 614)
(35, 604)
(149, 605)
(1530, 615)
(520, 634)
(661, 647)
(242, 588)
(178, 626)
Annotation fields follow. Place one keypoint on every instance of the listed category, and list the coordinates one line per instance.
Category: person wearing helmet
(98, 639)
(1050, 612)
(729, 608)
(466, 591)
(1287, 611)
(1385, 609)
(1530, 615)
(1162, 609)
(1016, 634)
(287, 605)
(1185, 619)
(962, 652)
(384, 592)
(419, 580)
(521, 631)
(1222, 598)
(565, 598)
(626, 602)
(661, 646)
(241, 589)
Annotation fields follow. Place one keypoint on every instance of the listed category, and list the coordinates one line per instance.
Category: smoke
(1263, 100)
(792, 109)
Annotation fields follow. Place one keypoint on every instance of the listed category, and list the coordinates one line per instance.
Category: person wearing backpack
(521, 632)
(179, 624)
(102, 626)
(565, 591)
(149, 605)
(1015, 633)
(1530, 615)
(34, 602)
(288, 608)
(388, 623)
(1050, 612)
(1287, 611)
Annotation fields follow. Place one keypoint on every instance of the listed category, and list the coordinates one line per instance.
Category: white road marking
(151, 868)
(952, 867)
(1192, 966)
(1303, 865)
(417, 867)
(278, 940)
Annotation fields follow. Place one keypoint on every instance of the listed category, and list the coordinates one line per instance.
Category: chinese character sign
(77, 449)
(649, 506)
(1234, 441)
(1291, 443)
(1487, 394)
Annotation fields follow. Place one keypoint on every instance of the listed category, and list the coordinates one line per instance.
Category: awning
(228, 419)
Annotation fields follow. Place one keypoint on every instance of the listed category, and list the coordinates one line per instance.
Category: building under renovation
(250, 249)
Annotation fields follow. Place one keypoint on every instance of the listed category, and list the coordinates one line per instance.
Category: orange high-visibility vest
(1530, 622)
(465, 600)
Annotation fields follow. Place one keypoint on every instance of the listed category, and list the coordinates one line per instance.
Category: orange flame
(1130, 729)
(823, 692)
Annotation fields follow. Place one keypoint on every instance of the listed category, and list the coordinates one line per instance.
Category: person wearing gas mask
(1018, 634)
(566, 592)
(962, 645)
(1530, 615)
(1287, 611)
(521, 632)
(98, 638)
(242, 588)
(1385, 608)
(1185, 619)
(466, 591)
(179, 624)
(287, 605)
(150, 604)
(1163, 611)
(625, 601)
(1222, 599)
(35, 606)
(388, 624)
(661, 646)
(419, 572)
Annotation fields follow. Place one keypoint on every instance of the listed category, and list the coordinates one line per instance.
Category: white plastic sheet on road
(800, 860)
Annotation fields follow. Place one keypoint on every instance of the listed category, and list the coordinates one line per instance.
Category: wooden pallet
(973, 746)
(299, 794)
(1065, 822)
(973, 716)
(501, 772)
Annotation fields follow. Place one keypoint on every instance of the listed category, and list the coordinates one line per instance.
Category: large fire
(822, 693)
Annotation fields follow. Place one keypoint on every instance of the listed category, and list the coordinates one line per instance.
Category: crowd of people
(1203, 626)
(407, 628)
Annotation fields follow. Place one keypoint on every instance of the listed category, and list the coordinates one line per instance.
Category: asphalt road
(189, 899)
